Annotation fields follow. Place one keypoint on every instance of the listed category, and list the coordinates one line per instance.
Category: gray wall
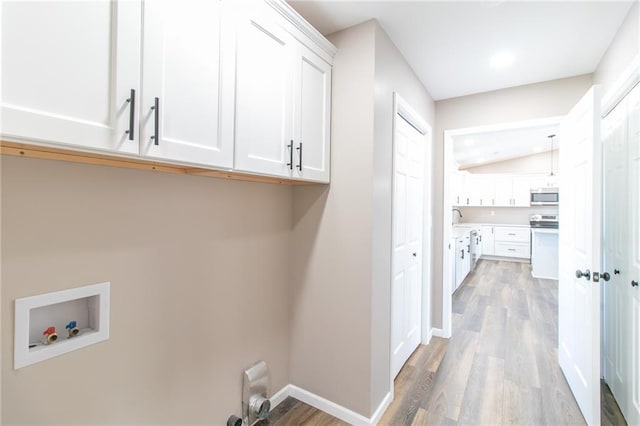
(548, 99)
(624, 47)
(198, 270)
(341, 244)
(331, 241)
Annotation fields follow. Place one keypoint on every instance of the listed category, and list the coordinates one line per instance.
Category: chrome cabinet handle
(586, 274)
(156, 113)
(132, 109)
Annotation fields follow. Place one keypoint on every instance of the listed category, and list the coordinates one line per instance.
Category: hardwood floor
(499, 367)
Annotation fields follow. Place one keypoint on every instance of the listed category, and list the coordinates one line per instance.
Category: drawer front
(521, 250)
(516, 235)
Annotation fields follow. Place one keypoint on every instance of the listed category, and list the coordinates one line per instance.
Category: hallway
(499, 367)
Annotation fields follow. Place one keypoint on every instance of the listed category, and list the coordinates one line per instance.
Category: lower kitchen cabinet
(487, 240)
(463, 260)
(506, 241)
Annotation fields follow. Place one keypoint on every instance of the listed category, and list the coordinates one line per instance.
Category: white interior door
(632, 413)
(406, 285)
(579, 297)
(615, 236)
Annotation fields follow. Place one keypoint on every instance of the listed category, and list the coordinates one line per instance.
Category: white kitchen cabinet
(503, 190)
(463, 259)
(521, 191)
(68, 72)
(282, 108)
(511, 241)
(487, 240)
(264, 95)
(312, 127)
(457, 188)
(185, 116)
(486, 188)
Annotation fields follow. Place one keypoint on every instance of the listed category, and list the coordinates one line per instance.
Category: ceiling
(449, 44)
(490, 147)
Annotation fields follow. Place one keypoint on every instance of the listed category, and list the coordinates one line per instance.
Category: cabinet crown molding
(303, 26)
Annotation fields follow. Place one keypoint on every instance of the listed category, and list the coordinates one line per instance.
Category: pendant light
(551, 154)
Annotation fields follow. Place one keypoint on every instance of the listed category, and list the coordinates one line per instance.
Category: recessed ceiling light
(502, 60)
(469, 142)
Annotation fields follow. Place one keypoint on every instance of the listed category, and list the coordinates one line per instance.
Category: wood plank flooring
(499, 367)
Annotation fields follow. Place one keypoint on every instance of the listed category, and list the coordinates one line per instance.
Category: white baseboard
(437, 332)
(279, 396)
(330, 407)
(426, 338)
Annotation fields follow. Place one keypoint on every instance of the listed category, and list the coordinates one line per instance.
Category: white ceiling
(449, 43)
(490, 147)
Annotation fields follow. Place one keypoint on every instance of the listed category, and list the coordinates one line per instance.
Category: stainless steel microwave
(545, 197)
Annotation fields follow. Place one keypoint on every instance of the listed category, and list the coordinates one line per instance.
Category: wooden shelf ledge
(49, 153)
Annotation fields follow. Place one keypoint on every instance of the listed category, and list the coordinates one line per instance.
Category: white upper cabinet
(208, 83)
(68, 72)
(282, 100)
(181, 114)
(312, 117)
(521, 191)
(264, 95)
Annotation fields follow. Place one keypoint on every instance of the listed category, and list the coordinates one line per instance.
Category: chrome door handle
(586, 274)
(605, 276)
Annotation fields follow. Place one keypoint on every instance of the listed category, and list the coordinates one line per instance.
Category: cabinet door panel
(67, 71)
(521, 191)
(264, 97)
(182, 68)
(488, 240)
(312, 121)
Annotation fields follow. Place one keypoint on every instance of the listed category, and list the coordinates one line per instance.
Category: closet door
(181, 114)
(68, 72)
(264, 96)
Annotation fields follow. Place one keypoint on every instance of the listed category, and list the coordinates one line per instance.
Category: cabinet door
(312, 116)
(473, 184)
(487, 240)
(68, 68)
(504, 191)
(521, 191)
(182, 48)
(457, 188)
(486, 187)
(264, 96)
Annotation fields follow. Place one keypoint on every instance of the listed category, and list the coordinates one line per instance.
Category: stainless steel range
(549, 221)
(544, 246)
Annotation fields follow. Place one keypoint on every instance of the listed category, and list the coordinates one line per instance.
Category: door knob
(586, 274)
(616, 272)
(634, 283)
(605, 276)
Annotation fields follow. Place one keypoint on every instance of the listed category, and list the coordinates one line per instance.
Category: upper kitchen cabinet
(185, 71)
(283, 95)
(71, 73)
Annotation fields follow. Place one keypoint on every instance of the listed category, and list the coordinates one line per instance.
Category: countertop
(460, 229)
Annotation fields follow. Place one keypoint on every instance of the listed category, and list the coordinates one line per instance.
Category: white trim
(437, 332)
(330, 407)
(377, 415)
(623, 85)
(303, 26)
(448, 205)
(278, 397)
(327, 406)
(426, 336)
